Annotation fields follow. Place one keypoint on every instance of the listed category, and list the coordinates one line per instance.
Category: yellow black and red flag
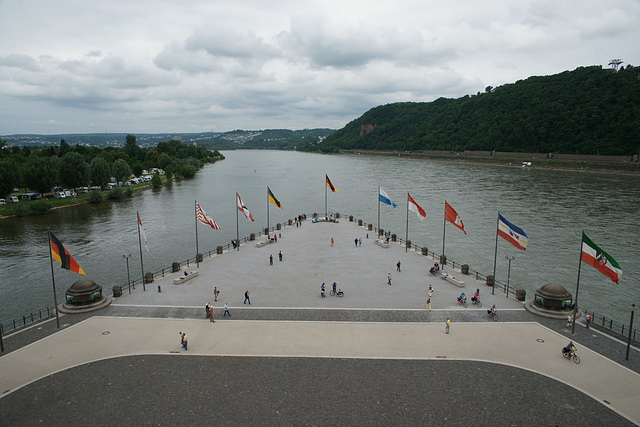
(273, 199)
(60, 254)
(330, 185)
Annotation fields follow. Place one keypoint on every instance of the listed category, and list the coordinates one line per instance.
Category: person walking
(430, 290)
(215, 293)
(587, 318)
(429, 303)
(226, 310)
(447, 327)
(569, 321)
(398, 266)
(183, 340)
(206, 310)
(271, 259)
(280, 255)
(211, 314)
(246, 297)
(360, 241)
(389, 279)
(355, 241)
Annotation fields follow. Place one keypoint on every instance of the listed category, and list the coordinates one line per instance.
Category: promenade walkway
(376, 356)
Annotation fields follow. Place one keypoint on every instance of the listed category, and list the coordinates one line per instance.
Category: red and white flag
(414, 207)
(204, 218)
(243, 208)
(453, 217)
(142, 234)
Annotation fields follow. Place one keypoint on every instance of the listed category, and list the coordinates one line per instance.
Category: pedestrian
(332, 241)
(429, 303)
(206, 310)
(430, 290)
(360, 241)
(226, 310)
(246, 297)
(398, 266)
(271, 259)
(215, 293)
(280, 255)
(355, 241)
(389, 278)
(569, 321)
(448, 324)
(183, 340)
(588, 319)
(211, 314)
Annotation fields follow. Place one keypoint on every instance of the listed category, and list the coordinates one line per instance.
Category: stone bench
(180, 280)
(381, 243)
(454, 281)
(263, 243)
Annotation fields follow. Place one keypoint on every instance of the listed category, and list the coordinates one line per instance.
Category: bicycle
(494, 315)
(463, 302)
(571, 356)
(339, 293)
(477, 302)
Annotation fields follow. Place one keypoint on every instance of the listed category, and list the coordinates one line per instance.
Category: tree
(121, 170)
(100, 172)
(131, 147)
(73, 170)
(9, 177)
(64, 148)
(41, 173)
(156, 181)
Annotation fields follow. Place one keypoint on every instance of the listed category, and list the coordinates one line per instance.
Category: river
(552, 206)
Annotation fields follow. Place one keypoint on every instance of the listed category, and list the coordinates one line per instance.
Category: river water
(552, 206)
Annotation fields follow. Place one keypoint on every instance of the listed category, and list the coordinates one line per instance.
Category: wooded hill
(590, 110)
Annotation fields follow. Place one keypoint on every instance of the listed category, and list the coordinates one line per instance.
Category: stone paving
(219, 385)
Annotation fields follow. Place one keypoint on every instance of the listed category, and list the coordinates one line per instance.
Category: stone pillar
(443, 260)
(117, 291)
(464, 269)
(360, 222)
(489, 280)
(266, 231)
(350, 218)
(380, 232)
(148, 277)
(393, 237)
(425, 251)
(175, 267)
(199, 257)
(337, 215)
(370, 227)
(409, 244)
(252, 236)
(290, 221)
(219, 250)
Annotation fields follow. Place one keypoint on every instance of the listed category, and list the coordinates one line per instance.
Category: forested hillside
(588, 111)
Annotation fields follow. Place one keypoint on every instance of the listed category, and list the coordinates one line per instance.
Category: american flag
(204, 218)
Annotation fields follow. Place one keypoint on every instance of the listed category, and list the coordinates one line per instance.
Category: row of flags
(591, 254)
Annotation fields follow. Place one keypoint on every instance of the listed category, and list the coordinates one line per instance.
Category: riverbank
(609, 166)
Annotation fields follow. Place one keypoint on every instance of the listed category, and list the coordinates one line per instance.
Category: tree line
(43, 168)
(590, 110)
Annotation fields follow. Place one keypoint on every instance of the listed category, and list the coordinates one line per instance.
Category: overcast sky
(140, 66)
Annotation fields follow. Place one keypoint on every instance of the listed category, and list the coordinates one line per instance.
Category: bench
(454, 281)
(263, 243)
(381, 243)
(180, 280)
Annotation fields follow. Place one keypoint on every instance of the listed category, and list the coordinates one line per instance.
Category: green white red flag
(600, 260)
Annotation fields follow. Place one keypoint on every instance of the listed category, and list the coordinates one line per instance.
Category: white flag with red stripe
(204, 218)
(142, 234)
(243, 208)
(414, 207)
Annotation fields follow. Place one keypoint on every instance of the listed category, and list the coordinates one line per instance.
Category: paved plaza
(376, 356)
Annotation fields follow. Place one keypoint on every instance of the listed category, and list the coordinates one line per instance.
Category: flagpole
(326, 181)
(140, 244)
(53, 279)
(378, 232)
(495, 257)
(268, 208)
(406, 239)
(195, 211)
(575, 303)
(237, 224)
(444, 226)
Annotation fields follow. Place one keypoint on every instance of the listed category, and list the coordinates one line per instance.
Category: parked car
(59, 195)
(12, 199)
(3, 202)
(111, 185)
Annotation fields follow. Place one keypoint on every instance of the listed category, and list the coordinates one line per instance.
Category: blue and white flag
(384, 198)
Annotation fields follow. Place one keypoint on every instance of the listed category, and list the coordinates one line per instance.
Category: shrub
(40, 207)
(95, 197)
(128, 192)
(116, 193)
(21, 209)
(156, 181)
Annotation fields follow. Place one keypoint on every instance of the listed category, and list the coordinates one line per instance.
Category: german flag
(330, 185)
(60, 254)
(273, 199)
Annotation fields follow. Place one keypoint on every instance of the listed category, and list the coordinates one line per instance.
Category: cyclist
(462, 297)
(569, 350)
(492, 310)
(322, 290)
(334, 287)
(476, 295)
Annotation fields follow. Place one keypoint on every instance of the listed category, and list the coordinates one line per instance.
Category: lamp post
(509, 273)
(128, 276)
(633, 306)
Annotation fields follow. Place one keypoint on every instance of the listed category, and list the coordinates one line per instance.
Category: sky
(78, 66)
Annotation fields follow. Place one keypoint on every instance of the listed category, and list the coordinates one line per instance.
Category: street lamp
(128, 276)
(507, 257)
(633, 306)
